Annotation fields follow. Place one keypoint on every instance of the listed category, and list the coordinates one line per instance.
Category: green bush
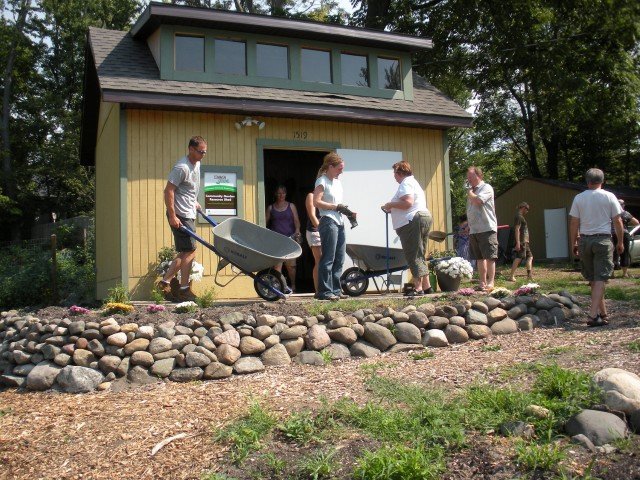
(401, 463)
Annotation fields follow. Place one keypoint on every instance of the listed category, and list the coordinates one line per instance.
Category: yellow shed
(271, 96)
(548, 219)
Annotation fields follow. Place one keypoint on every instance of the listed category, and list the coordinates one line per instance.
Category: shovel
(438, 236)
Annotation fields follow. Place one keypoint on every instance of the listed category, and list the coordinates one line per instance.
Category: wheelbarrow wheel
(354, 282)
(271, 277)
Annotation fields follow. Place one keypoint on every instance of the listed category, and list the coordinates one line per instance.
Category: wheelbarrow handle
(207, 218)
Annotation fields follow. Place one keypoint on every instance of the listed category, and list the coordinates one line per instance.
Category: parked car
(634, 246)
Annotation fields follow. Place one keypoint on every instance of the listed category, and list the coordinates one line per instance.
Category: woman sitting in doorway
(282, 217)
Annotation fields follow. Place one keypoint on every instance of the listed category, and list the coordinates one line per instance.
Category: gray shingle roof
(127, 73)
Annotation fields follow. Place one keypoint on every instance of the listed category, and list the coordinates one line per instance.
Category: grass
(422, 355)
(491, 348)
(634, 346)
(416, 427)
(245, 435)
(327, 356)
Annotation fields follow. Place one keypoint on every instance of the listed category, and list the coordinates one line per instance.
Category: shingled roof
(121, 69)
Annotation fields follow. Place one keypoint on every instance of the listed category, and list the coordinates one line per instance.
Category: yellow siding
(108, 227)
(156, 139)
(540, 197)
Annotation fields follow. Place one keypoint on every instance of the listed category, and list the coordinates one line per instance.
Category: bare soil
(107, 435)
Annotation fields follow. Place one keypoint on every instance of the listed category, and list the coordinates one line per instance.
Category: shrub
(207, 298)
(118, 294)
(401, 463)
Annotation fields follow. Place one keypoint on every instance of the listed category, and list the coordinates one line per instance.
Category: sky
(346, 5)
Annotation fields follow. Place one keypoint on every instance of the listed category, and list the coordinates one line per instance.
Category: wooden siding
(156, 139)
(108, 225)
(539, 196)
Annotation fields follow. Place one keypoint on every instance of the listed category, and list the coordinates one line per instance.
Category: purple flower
(466, 291)
(76, 310)
(155, 308)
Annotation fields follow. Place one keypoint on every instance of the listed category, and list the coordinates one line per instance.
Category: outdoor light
(248, 122)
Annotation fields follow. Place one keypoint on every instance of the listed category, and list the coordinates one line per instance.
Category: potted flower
(166, 256)
(451, 271)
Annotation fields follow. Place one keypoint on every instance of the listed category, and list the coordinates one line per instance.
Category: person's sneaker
(342, 296)
(165, 289)
(185, 295)
(596, 322)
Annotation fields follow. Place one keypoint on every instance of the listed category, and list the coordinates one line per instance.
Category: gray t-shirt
(482, 218)
(186, 177)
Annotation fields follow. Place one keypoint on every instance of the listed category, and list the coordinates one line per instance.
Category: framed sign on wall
(221, 191)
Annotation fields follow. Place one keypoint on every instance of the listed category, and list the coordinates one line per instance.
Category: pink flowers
(155, 308)
(466, 292)
(76, 310)
(527, 289)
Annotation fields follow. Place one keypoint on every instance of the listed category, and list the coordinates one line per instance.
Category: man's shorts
(524, 253)
(313, 239)
(484, 245)
(183, 241)
(596, 253)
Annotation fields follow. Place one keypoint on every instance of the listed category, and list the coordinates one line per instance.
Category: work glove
(348, 213)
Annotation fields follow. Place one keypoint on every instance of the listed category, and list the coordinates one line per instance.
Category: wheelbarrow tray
(375, 258)
(251, 247)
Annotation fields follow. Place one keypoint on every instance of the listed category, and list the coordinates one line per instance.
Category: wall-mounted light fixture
(248, 122)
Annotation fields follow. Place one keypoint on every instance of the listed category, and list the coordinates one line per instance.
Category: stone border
(80, 356)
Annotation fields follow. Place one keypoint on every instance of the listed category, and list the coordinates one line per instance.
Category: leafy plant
(634, 346)
(327, 356)
(490, 348)
(277, 465)
(156, 295)
(300, 427)
(207, 298)
(118, 294)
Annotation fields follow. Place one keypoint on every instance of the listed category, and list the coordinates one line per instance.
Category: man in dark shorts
(483, 227)
(592, 213)
(521, 249)
(181, 200)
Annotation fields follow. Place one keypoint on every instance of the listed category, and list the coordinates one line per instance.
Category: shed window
(272, 60)
(389, 73)
(189, 53)
(355, 70)
(230, 57)
(316, 65)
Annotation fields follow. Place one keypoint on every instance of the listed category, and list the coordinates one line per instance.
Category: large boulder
(504, 327)
(43, 376)
(456, 334)
(379, 336)
(73, 379)
(435, 338)
(317, 338)
(363, 349)
(599, 427)
(276, 355)
(408, 333)
(247, 365)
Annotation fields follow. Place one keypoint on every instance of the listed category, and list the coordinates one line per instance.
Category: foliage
(422, 355)
(531, 456)
(634, 346)
(118, 294)
(318, 465)
(327, 356)
(300, 427)
(165, 257)
(246, 434)
(401, 463)
(111, 308)
(25, 276)
(207, 298)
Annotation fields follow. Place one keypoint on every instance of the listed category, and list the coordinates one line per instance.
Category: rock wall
(80, 356)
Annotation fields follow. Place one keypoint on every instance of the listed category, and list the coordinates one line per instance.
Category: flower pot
(447, 283)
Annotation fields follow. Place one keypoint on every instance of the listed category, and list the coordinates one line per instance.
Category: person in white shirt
(483, 227)
(412, 221)
(327, 198)
(592, 214)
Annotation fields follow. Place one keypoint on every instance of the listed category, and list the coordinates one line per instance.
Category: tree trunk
(5, 147)
(377, 14)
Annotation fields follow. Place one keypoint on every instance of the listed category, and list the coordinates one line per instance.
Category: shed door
(368, 184)
(555, 233)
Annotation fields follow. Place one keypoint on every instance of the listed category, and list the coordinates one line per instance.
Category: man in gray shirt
(181, 200)
(483, 227)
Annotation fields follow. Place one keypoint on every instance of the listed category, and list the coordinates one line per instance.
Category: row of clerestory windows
(273, 61)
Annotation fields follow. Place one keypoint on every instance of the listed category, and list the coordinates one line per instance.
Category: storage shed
(271, 96)
(548, 219)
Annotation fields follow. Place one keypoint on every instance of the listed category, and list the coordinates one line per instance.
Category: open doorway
(296, 170)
